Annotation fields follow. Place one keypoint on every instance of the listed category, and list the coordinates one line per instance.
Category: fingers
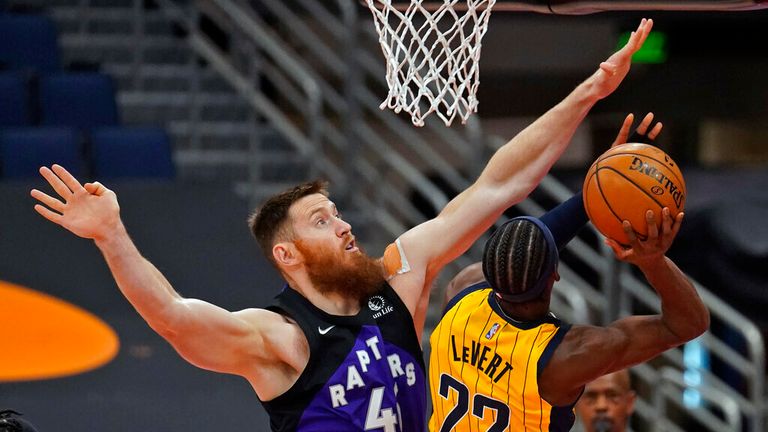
(653, 229)
(618, 250)
(666, 221)
(51, 216)
(95, 188)
(630, 233)
(642, 128)
(56, 183)
(637, 37)
(621, 138)
(655, 131)
(67, 178)
(678, 223)
(608, 68)
(642, 33)
(48, 200)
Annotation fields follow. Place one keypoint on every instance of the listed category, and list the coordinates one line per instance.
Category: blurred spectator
(607, 403)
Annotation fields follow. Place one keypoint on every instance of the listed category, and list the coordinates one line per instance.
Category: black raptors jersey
(365, 372)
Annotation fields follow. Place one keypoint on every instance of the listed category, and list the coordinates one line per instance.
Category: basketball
(625, 182)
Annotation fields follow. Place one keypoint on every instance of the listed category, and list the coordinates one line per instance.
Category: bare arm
(204, 334)
(588, 352)
(473, 273)
(511, 174)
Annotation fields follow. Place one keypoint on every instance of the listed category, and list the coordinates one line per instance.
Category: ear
(286, 254)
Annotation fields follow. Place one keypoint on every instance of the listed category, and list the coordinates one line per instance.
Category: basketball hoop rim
(547, 8)
(461, 6)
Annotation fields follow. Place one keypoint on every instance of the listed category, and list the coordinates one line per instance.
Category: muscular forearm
(141, 283)
(683, 312)
(522, 162)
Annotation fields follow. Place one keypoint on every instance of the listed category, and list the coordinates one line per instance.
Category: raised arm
(511, 174)
(204, 334)
(632, 340)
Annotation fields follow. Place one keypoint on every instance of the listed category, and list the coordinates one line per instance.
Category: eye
(337, 215)
(321, 222)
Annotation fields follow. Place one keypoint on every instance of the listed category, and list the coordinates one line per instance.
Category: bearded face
(333, 270)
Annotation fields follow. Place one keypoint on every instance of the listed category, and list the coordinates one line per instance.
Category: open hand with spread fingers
(613, 70)
(89, 211)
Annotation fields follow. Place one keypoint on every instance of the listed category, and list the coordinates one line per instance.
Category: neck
(330, 303)
(524, 312)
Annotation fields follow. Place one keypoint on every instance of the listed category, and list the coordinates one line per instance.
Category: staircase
(217, 136)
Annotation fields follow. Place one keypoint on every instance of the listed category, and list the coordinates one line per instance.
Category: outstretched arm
(634, 339)
(511, 174)
(565, 220)
(205, 335)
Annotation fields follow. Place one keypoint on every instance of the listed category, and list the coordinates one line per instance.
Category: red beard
(349, 274)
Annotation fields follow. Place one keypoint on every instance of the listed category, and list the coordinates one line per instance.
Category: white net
(432, 51)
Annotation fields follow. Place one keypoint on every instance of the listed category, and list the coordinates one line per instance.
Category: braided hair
(519, 258)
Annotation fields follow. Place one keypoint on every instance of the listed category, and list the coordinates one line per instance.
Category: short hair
(11, 421)
(269, 222)
(519, 258)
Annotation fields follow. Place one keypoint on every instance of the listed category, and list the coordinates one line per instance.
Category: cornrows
(515, 257)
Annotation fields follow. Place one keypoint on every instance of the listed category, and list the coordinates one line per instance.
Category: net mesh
(432, 51)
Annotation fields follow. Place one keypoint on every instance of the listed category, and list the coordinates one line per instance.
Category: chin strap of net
(432, 56)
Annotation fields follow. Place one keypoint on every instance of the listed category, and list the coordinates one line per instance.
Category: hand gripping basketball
(655, 245)
(630, 179)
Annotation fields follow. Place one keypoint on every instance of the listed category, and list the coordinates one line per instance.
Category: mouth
(602, 424)
(351, 246)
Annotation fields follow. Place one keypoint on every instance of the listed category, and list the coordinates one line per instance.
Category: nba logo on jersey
(492, 331)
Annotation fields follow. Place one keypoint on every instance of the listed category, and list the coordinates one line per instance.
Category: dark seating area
(49, 114)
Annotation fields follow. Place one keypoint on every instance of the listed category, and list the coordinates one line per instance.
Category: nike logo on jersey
(323, 331)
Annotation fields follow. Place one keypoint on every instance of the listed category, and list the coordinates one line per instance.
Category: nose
(601, 403)
(342, 227)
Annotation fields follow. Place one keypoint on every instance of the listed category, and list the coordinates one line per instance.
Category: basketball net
(432, 56)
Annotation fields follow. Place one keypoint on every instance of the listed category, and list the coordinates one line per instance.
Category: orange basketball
(625, 182)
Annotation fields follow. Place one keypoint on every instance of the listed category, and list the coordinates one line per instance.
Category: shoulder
(470, 291)
(470, 275)
(263, 317)
(277, 355)
(280, 333)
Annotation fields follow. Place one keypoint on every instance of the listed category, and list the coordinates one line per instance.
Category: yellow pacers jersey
(483, 369)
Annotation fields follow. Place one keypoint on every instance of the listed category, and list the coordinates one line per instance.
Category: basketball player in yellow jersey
(501, 361)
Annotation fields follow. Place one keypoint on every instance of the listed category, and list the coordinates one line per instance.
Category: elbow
(699, 322)
(170, 321)
(702, 322)
(697, 325)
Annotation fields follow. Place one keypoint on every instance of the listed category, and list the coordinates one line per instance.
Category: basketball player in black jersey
(339, 350)
(513, 285)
